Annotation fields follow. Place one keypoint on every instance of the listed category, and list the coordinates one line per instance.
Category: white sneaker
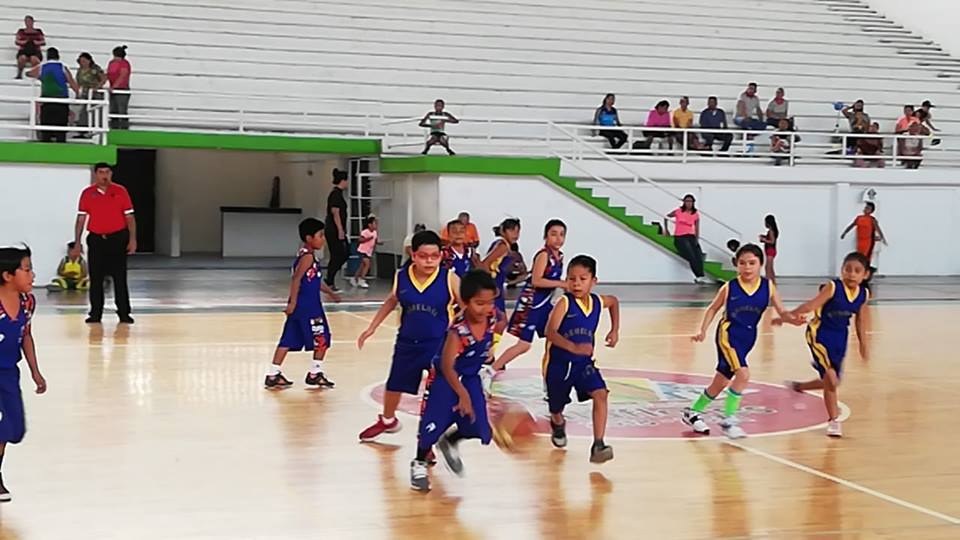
(419, 480)
(731, 428)
(363, 283)
(692, 418)
(834, 429)
(354, 283)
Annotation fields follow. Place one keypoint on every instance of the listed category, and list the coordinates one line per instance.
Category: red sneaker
(371, 433)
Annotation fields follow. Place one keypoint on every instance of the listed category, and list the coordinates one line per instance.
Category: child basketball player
(499, 261)
(456, 397)
(744, 300)
(457, 255)
(426, 293)
(571, 334)
(533, 306)
(16, 341)
(827, 333)
(306, 327)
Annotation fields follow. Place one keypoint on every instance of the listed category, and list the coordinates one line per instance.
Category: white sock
(316, 367)
(386, 420)
(273, 369)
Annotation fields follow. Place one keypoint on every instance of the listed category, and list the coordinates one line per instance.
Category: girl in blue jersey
(306, 327)
(827, 334)
(426, 293)
(743, 300)
(571, 336)
(457, 255)
(533, 306)
(499, 262)
(456, 397)
(16, 341)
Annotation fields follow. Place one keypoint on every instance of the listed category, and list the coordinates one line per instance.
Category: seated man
(713, 117)
(749, 115)
(72, 273)
(912, 147)
(30, 42)
(683, 118)
(870, 146)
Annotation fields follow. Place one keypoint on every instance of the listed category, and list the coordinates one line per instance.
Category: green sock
(732, 403)
(702, 402)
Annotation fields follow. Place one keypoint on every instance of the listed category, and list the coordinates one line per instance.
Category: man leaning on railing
(54, 78)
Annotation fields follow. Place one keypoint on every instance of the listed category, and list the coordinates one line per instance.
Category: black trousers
(54, 114)
(615, 137)
(338, 254)
(108, 257)
(689, 249)
(725, 138)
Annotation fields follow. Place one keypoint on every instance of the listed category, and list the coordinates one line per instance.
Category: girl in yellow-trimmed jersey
(744, 300)
(828, 332)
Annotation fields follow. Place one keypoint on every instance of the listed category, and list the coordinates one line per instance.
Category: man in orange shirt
(472, 238)
(868, 231)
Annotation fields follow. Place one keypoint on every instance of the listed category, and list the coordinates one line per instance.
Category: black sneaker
(318, 380)
(559, 435)
(601, 452)
(451, 455)
(126, 319)
(92, 320)
(277, 381)
(4, 492)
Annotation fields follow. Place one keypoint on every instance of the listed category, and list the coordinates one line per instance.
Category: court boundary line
(845, 483)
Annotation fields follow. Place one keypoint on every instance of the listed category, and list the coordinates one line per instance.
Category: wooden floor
(163, 430)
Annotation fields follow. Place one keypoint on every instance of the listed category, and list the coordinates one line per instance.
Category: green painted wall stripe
(548, 168)
(235, 141)
(58, 153)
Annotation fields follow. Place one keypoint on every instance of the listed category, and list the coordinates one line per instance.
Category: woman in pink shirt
(687, 234)
(118, 73)
(659, 116)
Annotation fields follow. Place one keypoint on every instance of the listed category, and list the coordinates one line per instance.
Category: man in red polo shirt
(107, 212)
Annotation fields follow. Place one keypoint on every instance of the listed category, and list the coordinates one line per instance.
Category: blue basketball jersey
(474, 353)
(460, 263)
(534, 297)
(308, 297)
(426, 308)
(835, 314)
(500, 267)
(579, 325)
(744, 309)
(12, 330)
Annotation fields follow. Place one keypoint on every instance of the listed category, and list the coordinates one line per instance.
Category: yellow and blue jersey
(828, 331)
(426, 307)
(737, 331)
(499, 270)
(579, 325)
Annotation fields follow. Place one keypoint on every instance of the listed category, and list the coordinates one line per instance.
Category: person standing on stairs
(686, 235)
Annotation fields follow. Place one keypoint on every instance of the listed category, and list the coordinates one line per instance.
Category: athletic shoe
(354, 282)
(419, 480)
(559, 434)
(692, 418)
(379, 428)
(277, 381)
(731, 428)
(318, 380)
(451, 455)
(834, 429)
(601, 453)
(363, 284)
(4, 492)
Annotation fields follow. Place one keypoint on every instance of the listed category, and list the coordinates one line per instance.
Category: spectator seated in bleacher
(72, 274)
(30, 42)
(55, 82)
(778, 109)
(683, 118)
(870, 146)
(749, 115)
(659, 116)
(714, 118)
(859, 122)
(926, 114)
(912, 147)
(903, 123)
(607, 116)
(437, 120)
(780, 142)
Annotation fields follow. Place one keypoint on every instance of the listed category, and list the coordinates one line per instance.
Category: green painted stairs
(548, 168)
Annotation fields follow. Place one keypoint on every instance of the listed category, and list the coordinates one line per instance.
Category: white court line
(368, 319)
(847, 483)
(225, 344)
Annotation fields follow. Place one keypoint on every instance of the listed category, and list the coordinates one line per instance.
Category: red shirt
(113, 73)
(107, 211)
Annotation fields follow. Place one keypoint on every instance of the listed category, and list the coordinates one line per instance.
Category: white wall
(39, 208)
(935, 20)
(413, 198)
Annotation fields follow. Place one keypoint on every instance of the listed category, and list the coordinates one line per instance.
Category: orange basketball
(511, 423)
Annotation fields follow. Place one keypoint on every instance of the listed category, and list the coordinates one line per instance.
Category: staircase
(548, 168)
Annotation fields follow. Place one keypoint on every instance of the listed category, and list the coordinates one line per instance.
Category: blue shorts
(410, 360)
(828, 350)
(562, 377)
(12, 422)
(438, 414)
(305, 333)
(524, 323)
(733, 346)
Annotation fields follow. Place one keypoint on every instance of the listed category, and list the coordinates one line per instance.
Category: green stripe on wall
(59, 153)
(234, 141)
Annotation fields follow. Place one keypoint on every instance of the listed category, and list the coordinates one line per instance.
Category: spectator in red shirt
(107, 213)
(30, 42)
(118, 73)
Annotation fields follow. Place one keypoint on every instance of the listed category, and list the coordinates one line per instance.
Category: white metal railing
(97, 111)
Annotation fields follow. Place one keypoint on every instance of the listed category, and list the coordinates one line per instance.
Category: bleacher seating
(539, 60)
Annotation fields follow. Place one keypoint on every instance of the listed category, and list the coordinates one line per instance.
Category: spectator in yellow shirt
(683, 118)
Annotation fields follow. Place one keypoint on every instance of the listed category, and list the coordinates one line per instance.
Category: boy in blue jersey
(426, 293)
(306, 327)
(827, 334)
(456, 397)
(457, 255)
(571, 331)
(16, 341)
(744, 300)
